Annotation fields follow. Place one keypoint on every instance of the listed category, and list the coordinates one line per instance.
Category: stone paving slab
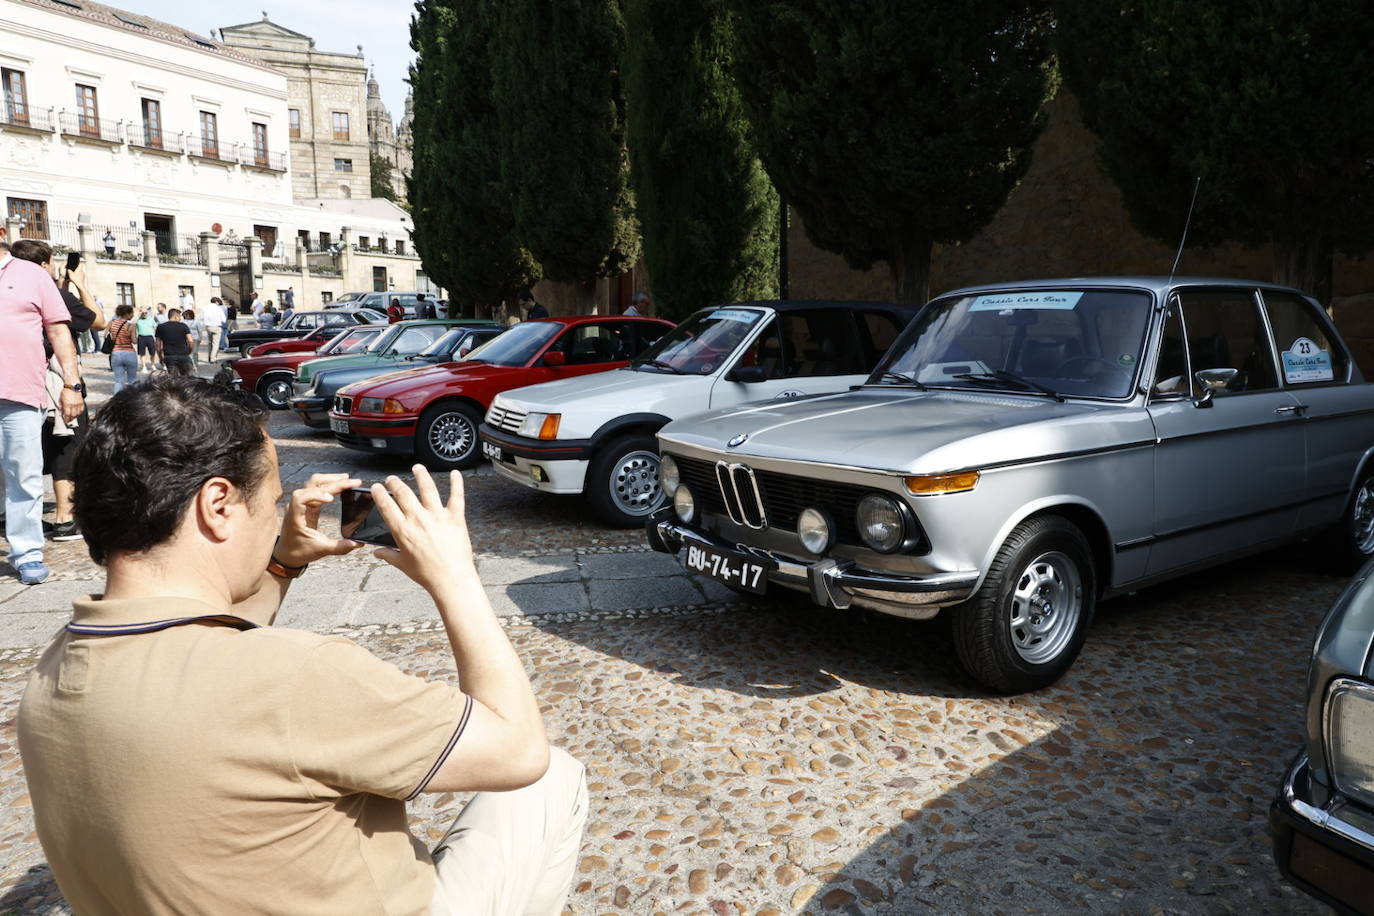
(537, 599)
(633, 594)
(51, 596)
(562, 567)
(645, 565)
(317, 611)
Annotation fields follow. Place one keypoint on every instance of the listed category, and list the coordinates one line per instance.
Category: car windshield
(517, 346)
(701, 343)
(348, 297)
(412, 340)
(353, 341)
(445, 344)
(1050, 342)
(370, 315)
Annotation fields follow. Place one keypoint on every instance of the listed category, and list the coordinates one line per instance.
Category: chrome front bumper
(1323, 843)
(833, 583)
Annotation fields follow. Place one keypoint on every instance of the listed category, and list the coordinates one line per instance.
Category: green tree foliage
(558, 88)
(1271, 105)
(461, 204)
(382, 172)
(890, 124)
(708, 210)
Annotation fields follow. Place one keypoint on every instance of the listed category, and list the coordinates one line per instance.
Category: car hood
(588, 401)
(332, 378)
(308, 369)
(445, 375)
(914, 432)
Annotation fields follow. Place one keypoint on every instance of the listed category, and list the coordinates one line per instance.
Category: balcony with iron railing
(156, 140)
(25, 118)
(96, 130)
(211, 150)
(262, 159)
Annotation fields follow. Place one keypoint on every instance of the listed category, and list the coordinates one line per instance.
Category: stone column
(85, 234)
(150, 248)
(302, 263)
(254, 245)
(11, 229)
(209, 251)
(346, 257)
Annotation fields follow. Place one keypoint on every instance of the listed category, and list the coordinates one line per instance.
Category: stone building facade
(326, 108)
(391, 142)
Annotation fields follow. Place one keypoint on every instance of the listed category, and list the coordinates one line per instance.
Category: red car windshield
(517, 346)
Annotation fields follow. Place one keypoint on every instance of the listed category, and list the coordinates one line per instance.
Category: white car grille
(509, 420)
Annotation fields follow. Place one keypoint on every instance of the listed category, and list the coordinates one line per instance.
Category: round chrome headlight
(814, 529)
(881, 523)
(684, 505)
(668, 475)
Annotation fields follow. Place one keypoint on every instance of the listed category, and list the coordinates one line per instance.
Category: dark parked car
(301, 324)
(1323, 817)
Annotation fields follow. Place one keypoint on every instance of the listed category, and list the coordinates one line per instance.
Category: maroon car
(271, 375)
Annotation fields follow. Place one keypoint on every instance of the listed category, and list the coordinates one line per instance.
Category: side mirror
(1205, 400)
(464, 352)
(748, 374)
(554, 358)
(1215, 379)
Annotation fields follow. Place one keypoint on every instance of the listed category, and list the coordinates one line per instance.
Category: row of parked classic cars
(1007, 455)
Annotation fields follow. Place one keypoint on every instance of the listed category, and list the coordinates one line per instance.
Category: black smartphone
(362, 521)
(73, 260)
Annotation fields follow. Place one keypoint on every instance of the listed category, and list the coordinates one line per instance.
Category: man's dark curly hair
(149, 450)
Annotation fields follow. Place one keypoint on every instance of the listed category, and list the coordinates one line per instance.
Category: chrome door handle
(1294, 410)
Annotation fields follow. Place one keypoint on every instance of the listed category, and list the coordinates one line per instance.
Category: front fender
(630, 420)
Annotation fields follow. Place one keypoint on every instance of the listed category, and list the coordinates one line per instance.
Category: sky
(382, 27)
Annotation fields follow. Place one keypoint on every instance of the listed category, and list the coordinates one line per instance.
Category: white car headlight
(684, 505)
(815, 530)
(668, 475)
(540, 426)
(1350, 738)
(881, 523)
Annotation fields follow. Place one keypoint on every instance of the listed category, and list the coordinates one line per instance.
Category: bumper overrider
(1323, 844)
(312, 409)
(831, 582)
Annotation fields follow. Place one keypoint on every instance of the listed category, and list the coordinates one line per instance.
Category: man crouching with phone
(184, 756)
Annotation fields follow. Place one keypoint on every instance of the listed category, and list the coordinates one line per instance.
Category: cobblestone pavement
(770, 758)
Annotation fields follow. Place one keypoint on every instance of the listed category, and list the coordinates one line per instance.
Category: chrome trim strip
(722, 476)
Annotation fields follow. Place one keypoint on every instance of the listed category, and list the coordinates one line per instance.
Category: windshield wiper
(904, 380)
(1003, 375)
(659, 364)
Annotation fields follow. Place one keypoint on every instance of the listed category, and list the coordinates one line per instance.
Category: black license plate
(732, 569)
(495, 453)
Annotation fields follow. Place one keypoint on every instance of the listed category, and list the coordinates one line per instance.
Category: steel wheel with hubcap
(275, 390)
(446, 436)
(1025, 625)
(622, 481)
(1350, 544)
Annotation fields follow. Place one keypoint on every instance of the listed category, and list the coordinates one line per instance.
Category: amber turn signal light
(549, 430)
(391, 405)
(931, 484)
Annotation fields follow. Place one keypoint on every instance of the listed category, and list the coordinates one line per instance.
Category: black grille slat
(700, 478)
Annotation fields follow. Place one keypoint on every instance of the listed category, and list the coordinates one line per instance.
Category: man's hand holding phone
(432, 543)
(301, 540)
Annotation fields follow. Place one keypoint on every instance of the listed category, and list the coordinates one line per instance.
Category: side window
(413, 340)
(646, 335)
(1307, 355)
(1227, 347)
(599, 343)
(1171, 373)
(308, 321)
(879, 329)
(820, 342)
(765, 352)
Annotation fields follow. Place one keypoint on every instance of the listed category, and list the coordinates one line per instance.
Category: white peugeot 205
(595, 434)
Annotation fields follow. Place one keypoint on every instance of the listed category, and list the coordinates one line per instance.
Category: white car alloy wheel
(634, 483)
(1044, 607)
(1362, 518)
(451, 436)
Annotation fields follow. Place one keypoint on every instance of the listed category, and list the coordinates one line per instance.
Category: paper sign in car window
(1306, 362)
(996, 302)
(743, 315)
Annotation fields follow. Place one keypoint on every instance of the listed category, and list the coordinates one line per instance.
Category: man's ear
(215, 506)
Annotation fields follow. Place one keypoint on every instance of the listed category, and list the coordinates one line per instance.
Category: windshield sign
(1051, 343)
(700, 344)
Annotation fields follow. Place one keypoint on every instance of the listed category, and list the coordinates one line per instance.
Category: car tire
(271, 353)
(622, 481)
(1350, 543)
(446, 436)
(244, 348)
(1003, 635)
(275, 390)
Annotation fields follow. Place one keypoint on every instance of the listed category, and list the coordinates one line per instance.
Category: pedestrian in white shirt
(214, 317)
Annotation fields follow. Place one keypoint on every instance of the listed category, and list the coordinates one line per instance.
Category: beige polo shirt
(221, 767)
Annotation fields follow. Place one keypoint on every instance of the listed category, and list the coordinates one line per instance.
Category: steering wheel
(1089, 360)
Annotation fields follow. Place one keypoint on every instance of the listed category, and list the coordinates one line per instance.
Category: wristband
(281, 570)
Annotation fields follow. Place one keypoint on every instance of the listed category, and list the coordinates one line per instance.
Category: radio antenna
(1186, 223)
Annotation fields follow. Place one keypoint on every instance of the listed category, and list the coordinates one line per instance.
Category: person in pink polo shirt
(30, 307)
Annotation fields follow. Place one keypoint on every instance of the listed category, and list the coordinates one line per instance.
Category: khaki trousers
(513, 853)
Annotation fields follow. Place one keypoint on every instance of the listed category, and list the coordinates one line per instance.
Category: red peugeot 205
(433, 413)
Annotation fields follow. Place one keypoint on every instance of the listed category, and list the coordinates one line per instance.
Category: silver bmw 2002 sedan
(1026, 449)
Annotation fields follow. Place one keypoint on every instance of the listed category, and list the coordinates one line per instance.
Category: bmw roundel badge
(738, 440)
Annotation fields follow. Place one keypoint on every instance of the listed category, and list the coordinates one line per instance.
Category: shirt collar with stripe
(97, 616)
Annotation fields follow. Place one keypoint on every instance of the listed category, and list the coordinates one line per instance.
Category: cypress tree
(708, 211)
(889, 125)
(462, 207)
(1270, 105)
(558, 88)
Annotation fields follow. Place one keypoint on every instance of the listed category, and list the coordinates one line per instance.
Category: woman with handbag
(119, 343)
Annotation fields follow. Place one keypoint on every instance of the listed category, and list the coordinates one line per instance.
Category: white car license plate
(338, 426)
(729, 568)
(492, 451)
